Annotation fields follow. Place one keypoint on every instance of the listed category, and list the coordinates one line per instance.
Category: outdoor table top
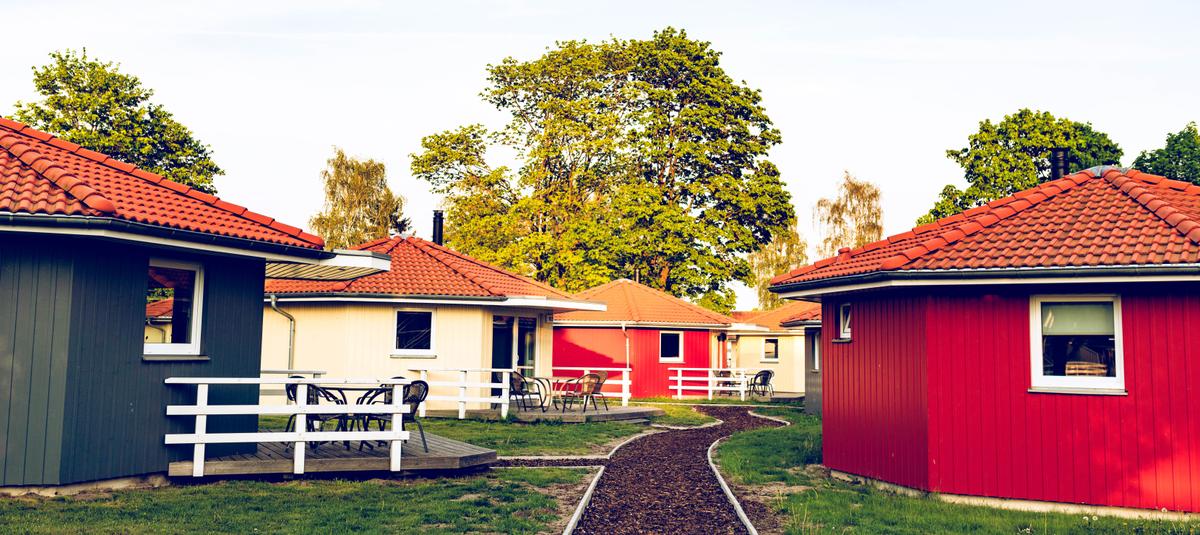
(558, 378)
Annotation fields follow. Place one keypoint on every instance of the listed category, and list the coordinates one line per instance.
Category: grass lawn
(720, 400)
(814, 503)
(515, 438)
(680, 415)
(507, 500)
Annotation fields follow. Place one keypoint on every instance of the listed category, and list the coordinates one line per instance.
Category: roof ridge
(159, 180)
(985, 216)
(624, 286)
(465, 258)
(1128, 183)
(421, 246)
(679, 300)
(58, 175)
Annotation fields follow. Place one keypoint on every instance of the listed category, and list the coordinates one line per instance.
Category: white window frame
(845, 327)
(191, 348)
(1074, 384)
(672, 360)
(764, 350)
(816, 356)
(432, 334)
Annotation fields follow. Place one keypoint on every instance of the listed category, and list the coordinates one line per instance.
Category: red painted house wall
(605, 346)
(874, 391)
(955, 366)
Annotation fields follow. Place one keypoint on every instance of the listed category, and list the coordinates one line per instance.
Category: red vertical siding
(990, 436)
(604, 346)
(874, 388)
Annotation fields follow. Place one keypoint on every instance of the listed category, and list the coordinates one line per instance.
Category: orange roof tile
(160, 309)
(1110, 219)
(635, 303)
(420, 267)
(42, 174)
(789, 312)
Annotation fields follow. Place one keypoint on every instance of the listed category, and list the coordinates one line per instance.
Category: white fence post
(712, 376)
(625, 386)
(397, 443)
(301, 427)
(424, 377)
(505, 376)
(201, 428)
(679, 384)
(742, 385)
(462, 397)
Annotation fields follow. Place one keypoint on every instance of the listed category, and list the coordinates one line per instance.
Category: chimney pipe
(437, 226)
(1058, 163)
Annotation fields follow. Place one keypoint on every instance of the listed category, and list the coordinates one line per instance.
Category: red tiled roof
(160, 309)
(635, 303)
(789, 312)
(42, 174)
(421, 267)
(1120, 218)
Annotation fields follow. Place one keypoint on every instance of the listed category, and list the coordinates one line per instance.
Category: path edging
(737, 506)
(583, 503)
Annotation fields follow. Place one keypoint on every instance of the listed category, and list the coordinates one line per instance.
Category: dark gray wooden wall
(812, 376)
(79, 402)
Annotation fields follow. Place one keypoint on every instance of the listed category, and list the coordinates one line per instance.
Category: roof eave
(509, 301)
(640, 324)
(1089, 274)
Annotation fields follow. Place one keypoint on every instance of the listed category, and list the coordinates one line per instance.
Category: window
(1076, 342)
(771, 349)
(816, 351)
(414, 332)
(670, 347)
(174, 307)
(526, 342)
(844, 321)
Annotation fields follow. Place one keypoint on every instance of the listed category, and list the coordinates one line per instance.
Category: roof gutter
(513, 301)
(1076, 275)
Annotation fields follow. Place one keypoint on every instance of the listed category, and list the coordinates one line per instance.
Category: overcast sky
(879, 88)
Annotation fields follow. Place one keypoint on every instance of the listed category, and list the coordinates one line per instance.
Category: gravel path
(662, 483)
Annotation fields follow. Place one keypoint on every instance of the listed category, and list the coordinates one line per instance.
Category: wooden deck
(276, 458)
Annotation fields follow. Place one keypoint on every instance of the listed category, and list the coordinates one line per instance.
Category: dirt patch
(567, 495)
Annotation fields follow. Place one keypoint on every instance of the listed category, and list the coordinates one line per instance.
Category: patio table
(554, 384)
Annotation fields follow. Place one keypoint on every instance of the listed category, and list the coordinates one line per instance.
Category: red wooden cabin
(649, 330)
(1041, 347)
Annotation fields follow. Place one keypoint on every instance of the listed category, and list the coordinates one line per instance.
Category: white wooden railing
(623, 385)
(201, 410)
(707, 380)
(462, 383)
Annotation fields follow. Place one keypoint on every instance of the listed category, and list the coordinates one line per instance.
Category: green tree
(1014, 154)
(787, 251)
(92, 103)
(1178, 159)
(852, 219)
(359, 206)
(639, 159)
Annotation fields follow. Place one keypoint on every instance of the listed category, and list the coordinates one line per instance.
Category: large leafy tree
(639, 158)
(1178, 159)
(851, 219)
(1014, 154)
(94, 104)
(787, 251)
(359, 206)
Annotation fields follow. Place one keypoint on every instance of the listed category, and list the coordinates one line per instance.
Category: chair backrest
(763, 378)
(415, 395)
(589, 384)
(517, 383)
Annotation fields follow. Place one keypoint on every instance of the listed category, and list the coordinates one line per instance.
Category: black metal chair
(316, 395)
(414, 395)
(582, 389)
(761, 383)
(522, 390)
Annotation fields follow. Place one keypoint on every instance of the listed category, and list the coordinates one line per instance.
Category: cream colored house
(769, 345)
(437, 310)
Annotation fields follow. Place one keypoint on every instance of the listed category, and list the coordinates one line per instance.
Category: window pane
(668, 345)
(1079, 356)
(526, 341)
(170, 293)
(771, 349)
(1077, 318)
(413, 330)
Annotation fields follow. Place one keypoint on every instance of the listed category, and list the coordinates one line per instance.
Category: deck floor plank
(278, 458)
